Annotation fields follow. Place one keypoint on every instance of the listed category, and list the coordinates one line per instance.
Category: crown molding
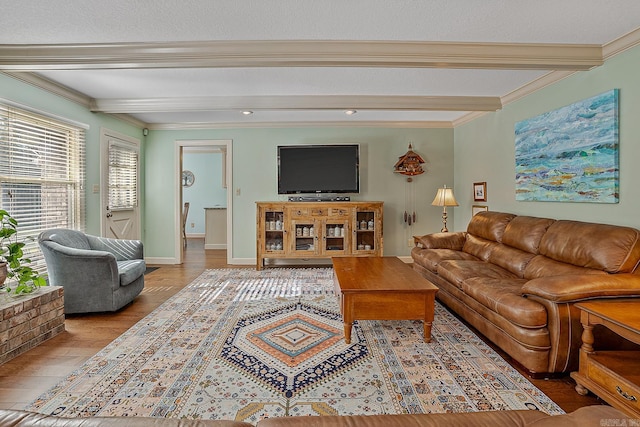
(621, 44)
(300, 53)
(299, 102)
(50, 86)
(276, 125)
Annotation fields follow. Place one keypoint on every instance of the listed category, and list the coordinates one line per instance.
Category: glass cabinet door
(274, 231)
(335, 237)
(304, 237)
(366, 225)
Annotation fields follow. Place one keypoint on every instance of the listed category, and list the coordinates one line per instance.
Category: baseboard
(215, 246)
(242, 261)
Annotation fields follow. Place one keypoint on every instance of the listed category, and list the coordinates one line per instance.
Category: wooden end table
(382, 288)
(613, 375)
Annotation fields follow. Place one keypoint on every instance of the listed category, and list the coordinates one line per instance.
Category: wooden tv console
(313, 230)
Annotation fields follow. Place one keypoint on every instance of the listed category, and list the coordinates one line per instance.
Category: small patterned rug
(241, 344)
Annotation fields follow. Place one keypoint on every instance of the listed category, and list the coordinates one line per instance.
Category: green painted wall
(30, 96)
(485, 151)
(255, 178)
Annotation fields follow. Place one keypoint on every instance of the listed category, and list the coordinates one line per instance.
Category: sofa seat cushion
(457, 271)
(430, 258)
(130, 270)
(504, 296)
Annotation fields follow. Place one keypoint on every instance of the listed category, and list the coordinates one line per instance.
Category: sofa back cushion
(511, 259)
(479, 247)
(541, 266)
(611, 248)
(525, 232)
(489, 225)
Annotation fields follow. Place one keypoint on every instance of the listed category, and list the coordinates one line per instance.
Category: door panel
(120, 177)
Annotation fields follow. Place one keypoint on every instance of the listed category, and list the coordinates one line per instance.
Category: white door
(120, 178)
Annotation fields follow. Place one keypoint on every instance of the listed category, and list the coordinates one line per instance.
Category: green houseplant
(22, 278)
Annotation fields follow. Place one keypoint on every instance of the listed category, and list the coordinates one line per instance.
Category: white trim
(300, 53)
(215, 246)
(299, 102)
(273, 125)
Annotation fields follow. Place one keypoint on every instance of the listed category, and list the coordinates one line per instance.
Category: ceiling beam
(299, 102)
(300, 53)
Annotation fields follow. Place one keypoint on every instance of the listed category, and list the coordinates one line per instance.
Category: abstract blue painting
(570, 154)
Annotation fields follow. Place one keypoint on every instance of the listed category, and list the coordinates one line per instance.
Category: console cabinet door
(367, 231)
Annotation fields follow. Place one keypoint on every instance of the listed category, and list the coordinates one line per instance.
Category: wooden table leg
(427, 330)
(347, 331)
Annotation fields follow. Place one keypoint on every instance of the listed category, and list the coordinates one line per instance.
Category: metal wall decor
(188, 178)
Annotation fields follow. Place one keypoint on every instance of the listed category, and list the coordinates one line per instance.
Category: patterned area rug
(242, 344)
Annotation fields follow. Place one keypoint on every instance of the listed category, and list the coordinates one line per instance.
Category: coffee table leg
(429, 314)
(347, 331)
(427, 331)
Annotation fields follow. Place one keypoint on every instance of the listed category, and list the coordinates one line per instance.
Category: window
(123, 177)
(42, 168)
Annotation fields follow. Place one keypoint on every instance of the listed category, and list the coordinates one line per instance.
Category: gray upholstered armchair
(97, 273)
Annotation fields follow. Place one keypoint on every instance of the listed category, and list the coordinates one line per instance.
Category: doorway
(194, 182)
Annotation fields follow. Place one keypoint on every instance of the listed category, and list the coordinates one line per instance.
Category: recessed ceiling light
(350, 112)
(247, 112)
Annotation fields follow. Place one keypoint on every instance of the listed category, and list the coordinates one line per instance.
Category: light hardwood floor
(26, 377)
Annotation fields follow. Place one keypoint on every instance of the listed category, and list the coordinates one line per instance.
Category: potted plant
(22, 278)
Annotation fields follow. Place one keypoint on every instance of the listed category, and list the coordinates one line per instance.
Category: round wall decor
(188, 178)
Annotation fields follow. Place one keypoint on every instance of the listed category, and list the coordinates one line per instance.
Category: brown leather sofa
(516, 280)
(596, 415)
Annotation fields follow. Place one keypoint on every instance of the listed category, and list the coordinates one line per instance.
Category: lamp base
(444, 222)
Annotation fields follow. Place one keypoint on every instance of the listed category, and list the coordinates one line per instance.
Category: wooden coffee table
(382, 288)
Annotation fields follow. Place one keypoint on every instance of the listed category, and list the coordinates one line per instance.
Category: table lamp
(444, 197)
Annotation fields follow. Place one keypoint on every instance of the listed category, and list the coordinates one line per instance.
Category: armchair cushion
(130, 270)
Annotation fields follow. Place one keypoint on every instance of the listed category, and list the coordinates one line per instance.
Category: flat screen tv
(318, 169)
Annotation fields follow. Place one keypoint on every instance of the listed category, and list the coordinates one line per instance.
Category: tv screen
(318, 169)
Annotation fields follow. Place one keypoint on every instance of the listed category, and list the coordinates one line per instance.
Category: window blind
(123, 177)
(42, 173)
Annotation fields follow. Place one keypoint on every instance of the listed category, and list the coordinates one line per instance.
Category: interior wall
(255, 179)
(485, 150)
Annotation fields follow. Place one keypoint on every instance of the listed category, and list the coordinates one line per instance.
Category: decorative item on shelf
(188, 178)
(444, 197)
(410, 165)
(23, 279)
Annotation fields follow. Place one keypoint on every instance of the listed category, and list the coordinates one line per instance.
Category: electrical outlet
(193, 224)
(410, 242)
(96, 188)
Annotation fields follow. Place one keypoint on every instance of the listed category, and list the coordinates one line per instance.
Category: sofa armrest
(453, 240)
(122, 249)
(568, 288)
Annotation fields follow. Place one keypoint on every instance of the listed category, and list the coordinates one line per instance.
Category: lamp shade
(444, 197)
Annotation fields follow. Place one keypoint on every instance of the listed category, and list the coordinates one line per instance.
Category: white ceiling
(198, 63)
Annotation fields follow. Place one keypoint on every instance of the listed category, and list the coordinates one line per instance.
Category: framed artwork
(479, 191)
(478, 208)
(570, 154)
